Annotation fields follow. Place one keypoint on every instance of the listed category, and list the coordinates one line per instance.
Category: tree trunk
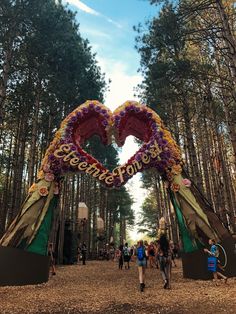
(228, 37)
(191, 147)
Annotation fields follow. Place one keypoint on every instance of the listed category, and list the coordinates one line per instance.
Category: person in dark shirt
(83, 252)
(121, 257)
(165, 260)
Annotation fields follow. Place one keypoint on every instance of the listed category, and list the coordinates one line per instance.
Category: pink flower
(49, 177)
(186, 182)
(43, 191)
(46, 168)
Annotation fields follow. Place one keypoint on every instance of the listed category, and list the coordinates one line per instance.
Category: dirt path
(100, 287)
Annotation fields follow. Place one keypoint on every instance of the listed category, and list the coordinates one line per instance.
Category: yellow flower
(176, 169)
(33, 188)
(40, 174)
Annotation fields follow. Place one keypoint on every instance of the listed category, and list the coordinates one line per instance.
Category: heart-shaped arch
(29, 230)
(65, 153)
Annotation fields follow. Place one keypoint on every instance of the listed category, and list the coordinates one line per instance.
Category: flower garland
(78, 127)
(52, 168)
(170, 161)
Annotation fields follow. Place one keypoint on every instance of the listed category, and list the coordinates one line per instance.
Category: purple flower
(91, 105)
(83, 158)
(160, 142)
(64, 168)
(85, 110)
(117, 118)
(51, 157)
(104, 122)
(104, 111)
(154, 126)
(56, 163)
(138, 157)
(149, 115)
(163, 163)
(168, 154)
(79, 114)
(159, 168)
(98, 109)
(137, 109)
(73, 147)
(122, 113)
(67, 140)
(163, 155)
(73, 119)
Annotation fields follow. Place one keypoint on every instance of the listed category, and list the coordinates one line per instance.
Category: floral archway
(31, 227)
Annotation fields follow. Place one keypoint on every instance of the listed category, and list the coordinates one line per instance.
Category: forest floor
(99, 287)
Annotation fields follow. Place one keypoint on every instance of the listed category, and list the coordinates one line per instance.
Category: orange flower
(33, 188)
(40, 174)
(43, 191)
(175, 187)
(176, 169)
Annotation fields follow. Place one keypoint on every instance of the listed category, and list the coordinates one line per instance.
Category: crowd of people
(159, 254)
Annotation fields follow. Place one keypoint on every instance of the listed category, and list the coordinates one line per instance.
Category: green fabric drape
(189, 244)
(40, 243)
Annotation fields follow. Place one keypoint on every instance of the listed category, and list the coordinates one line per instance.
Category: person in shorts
(151, 254)
(141, 263)
(214, 252)
(126, 253)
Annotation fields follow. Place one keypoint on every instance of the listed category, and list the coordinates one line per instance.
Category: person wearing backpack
(126, 253)
(214, 253)
(141, 262)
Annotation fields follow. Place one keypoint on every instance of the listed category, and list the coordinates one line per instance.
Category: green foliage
(149, 216)
(50, 60)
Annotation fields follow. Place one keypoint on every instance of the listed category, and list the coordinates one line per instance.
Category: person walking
(214, 253)
(151, 254)
(121, 257)
(126, 252)
(83, 252)
(141, 262)
(146, 252)
(165, 260)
